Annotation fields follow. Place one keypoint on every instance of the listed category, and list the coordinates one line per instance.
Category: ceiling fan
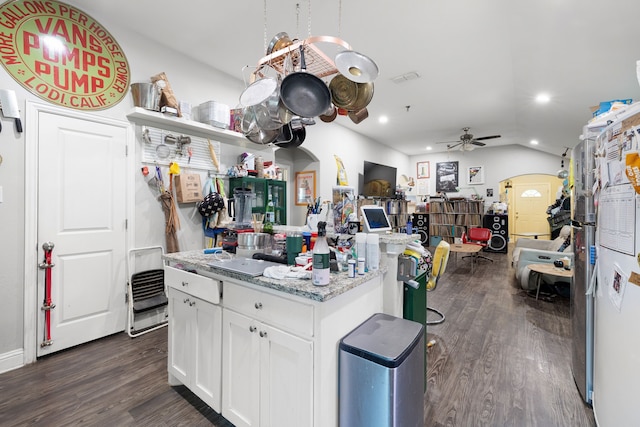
(467, 141)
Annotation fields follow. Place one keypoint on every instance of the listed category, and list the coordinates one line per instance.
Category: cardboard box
(188, 188)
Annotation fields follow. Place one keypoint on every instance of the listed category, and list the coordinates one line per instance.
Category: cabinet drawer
(293, 316)
(194, 284)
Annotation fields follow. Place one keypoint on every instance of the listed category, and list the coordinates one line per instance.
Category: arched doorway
(296, 159)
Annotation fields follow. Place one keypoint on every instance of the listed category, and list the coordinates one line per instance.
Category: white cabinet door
(240, 376)
(195, 346)
(286, 379)
(179, 341)
(206, 381)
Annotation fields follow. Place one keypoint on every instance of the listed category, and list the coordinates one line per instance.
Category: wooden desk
(533, 234)
(466, 248)
(548, 269)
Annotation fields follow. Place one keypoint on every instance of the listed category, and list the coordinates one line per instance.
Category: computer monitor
(375, 219)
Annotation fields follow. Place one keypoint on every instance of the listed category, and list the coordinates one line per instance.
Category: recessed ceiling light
(534, 142)
(543, 98)
(429, 148)
(383, 119)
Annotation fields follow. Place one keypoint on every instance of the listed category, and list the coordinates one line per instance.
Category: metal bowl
(253, 240)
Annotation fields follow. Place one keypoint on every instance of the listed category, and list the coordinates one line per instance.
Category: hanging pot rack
(318, 62)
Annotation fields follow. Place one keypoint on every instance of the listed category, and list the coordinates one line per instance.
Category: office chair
(477, 236)
(440, 259)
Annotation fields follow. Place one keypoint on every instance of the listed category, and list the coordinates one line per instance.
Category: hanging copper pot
(330, 115)
(350, 95)
(358, 116)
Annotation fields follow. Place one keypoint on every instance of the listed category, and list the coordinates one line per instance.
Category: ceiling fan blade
(478, 143)
(449, 147)
(482, 138)
(447, 142)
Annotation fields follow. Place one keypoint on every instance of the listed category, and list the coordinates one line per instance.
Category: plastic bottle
(352, 268)
(409, 226)
(373, 252)
(361, 244)
(321, 269)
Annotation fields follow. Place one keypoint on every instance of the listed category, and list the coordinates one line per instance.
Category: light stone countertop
(339, 284)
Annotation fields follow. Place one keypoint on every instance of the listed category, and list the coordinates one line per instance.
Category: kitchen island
(261, 351)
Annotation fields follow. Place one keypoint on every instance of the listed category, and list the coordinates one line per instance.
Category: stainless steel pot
(146, 95)
(253, 240)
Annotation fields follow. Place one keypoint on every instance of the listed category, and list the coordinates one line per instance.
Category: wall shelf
(179, 124)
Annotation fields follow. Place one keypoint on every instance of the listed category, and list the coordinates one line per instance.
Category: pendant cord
(265, 26)
(340, 19)
(309, 19)
(298, 21)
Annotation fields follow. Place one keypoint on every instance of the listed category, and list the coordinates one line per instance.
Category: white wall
(499, 164)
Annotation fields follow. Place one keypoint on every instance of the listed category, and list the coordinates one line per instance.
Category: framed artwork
(423, 170)
(475, 175)
(447, 177)
(305, 187)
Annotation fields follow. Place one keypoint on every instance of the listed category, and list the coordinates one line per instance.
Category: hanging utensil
(212, 154)
(305, 94)
(162, 150)
(356, 66)
(279, 41)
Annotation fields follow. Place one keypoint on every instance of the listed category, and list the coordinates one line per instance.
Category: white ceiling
(481, 62)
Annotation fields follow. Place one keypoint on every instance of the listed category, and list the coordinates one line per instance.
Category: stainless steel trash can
(381, 374)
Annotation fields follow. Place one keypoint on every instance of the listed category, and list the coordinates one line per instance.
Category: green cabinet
(263, 189)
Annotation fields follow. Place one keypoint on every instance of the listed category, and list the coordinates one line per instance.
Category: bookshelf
(448, 219)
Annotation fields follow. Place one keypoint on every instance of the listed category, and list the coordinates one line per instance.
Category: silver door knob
(263, 334)
(252, 328)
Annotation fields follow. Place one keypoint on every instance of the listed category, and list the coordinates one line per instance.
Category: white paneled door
(82, 211)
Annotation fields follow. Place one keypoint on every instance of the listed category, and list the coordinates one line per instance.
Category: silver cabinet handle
(252, 328)
(258, 305)
(185, 283)
(186, 300)
(191, 304)
(263, 334)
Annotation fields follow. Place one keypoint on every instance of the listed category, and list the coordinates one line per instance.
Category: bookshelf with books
(450, 218)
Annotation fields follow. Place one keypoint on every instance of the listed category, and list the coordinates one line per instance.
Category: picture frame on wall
(305, 187)
(475, 175)
(447, 177)
(423, 170)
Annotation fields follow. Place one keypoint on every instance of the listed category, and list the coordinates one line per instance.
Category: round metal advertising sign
(62, 55)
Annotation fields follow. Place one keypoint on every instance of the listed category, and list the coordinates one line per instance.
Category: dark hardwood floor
(501, 358)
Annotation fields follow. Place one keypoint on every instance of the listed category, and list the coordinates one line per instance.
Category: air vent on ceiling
(405, 77)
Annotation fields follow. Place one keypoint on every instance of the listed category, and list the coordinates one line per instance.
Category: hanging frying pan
(290, 138)
(305, 94)
(356, 66)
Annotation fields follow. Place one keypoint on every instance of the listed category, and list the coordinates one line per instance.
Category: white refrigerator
(616, 381)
